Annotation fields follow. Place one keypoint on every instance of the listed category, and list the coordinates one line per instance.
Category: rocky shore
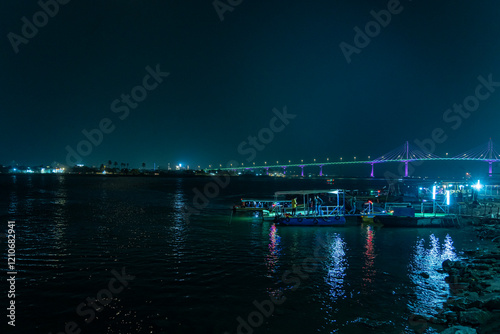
(474, 282)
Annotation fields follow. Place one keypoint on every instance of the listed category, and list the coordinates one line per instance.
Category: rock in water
(459, 330)
(447, 264)
(493, 303)
(474, 316)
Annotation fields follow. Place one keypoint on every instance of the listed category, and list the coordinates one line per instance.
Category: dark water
(203, 274)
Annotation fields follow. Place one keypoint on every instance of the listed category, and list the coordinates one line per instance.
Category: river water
(209, 272)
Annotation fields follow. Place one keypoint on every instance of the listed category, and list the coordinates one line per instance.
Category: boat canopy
(308, 192)
(269, 200)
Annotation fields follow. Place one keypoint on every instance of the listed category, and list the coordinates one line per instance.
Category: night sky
(226, 77)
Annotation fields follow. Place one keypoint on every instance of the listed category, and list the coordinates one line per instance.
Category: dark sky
(227, 76)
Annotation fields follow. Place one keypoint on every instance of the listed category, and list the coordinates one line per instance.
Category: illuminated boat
(263, 207)
(370, 211)
(317, 220)
(407, 217)
(419, 220)
(435, 213)
(329, 215)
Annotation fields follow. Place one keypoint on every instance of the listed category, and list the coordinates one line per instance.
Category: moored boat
(312, 212)
(407, 217)
(370, 211)
(426, 220)
(300, 220)
(260, 206)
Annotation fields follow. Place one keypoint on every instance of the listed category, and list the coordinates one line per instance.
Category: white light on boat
(447, 197)
(434, 192)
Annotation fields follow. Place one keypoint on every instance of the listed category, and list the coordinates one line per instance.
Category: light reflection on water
(29, 204)
(41, 223)
(60, 216)
(333, 272)
(272, 259)
(13, 203)
(272, 263)
(369, 270)
(336, 267)
(178, 227)
(430, 292)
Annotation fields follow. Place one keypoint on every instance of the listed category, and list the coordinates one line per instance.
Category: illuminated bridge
(406, 154)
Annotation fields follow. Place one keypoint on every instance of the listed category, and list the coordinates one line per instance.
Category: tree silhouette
(143, 165)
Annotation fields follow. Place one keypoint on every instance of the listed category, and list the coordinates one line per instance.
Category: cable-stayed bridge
(405, 153)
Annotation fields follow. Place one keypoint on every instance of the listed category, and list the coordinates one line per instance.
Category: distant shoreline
(194, 174)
